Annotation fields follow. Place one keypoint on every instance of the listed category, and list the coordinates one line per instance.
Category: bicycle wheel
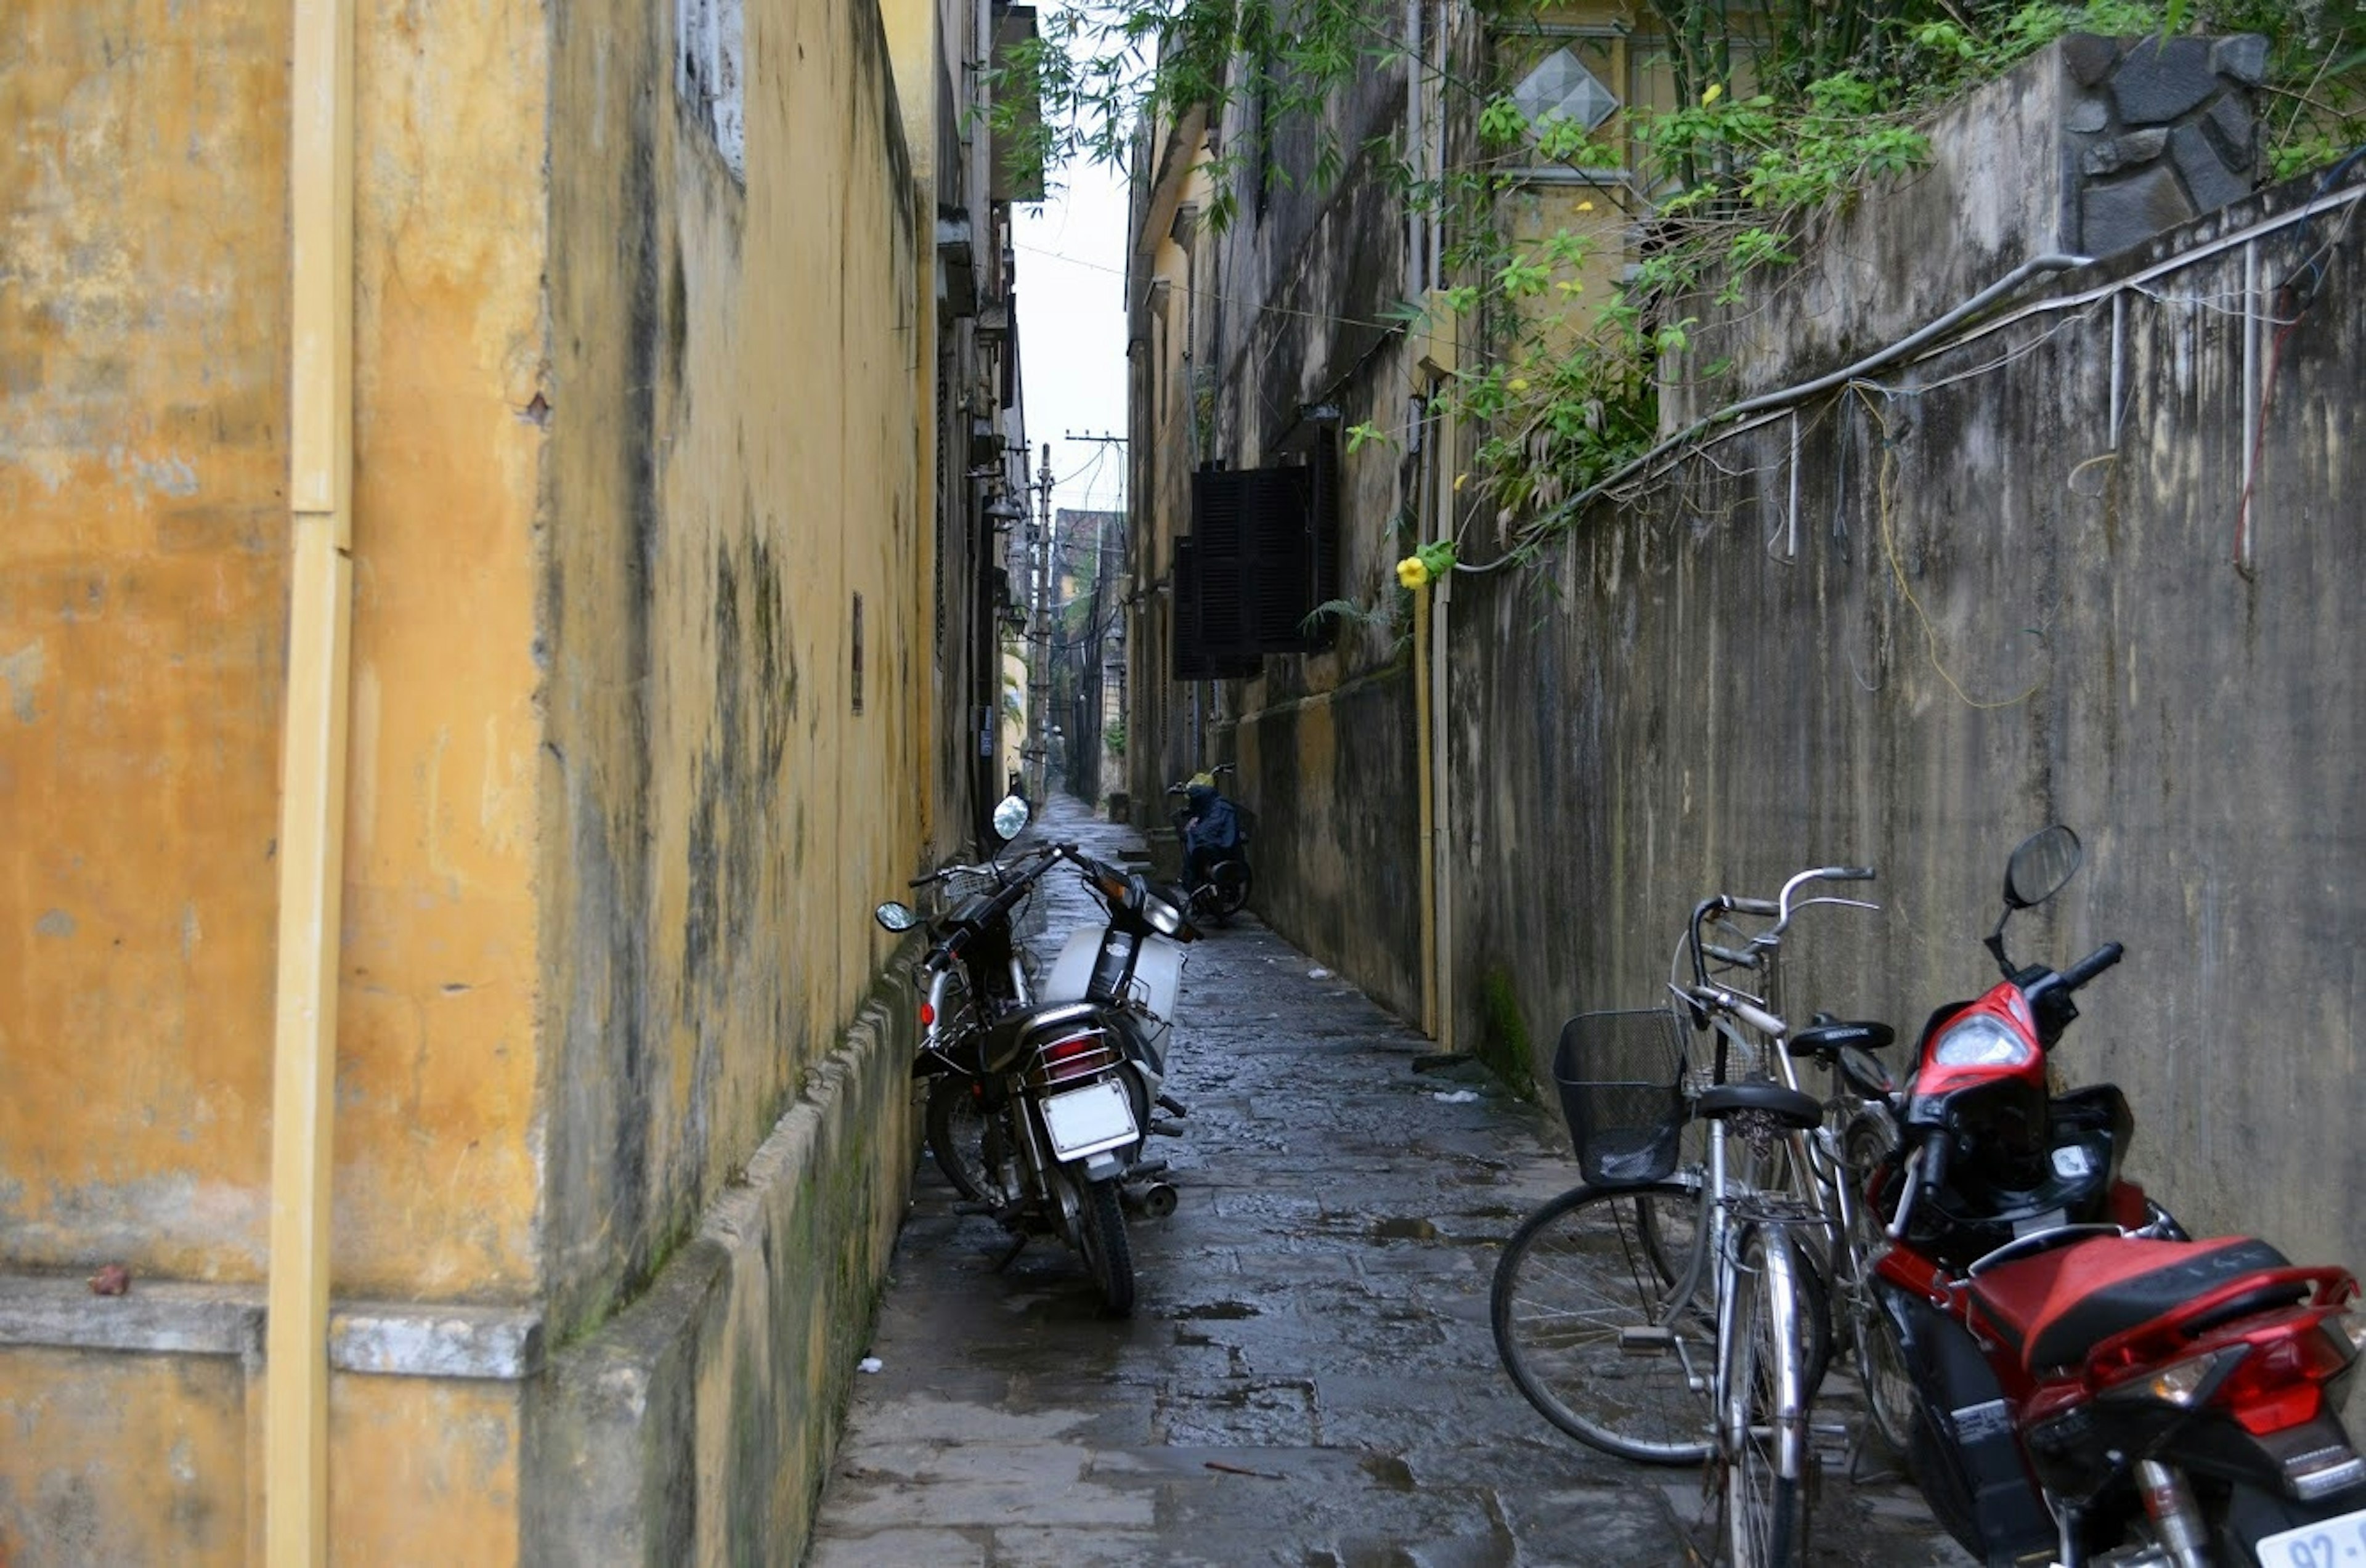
(1587, 1330)
(1763, 1418)
(1889, 1396)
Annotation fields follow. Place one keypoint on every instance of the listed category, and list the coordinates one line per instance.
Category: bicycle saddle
(1827, 1039)
(1787, 1106)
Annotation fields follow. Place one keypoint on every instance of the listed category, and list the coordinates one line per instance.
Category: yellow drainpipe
(1441, 791)
(1421, 744)
(312, 781)
(1437, 352)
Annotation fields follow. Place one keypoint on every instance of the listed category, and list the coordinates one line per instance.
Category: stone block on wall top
(2088, 59)
(2208, 181)
(2126, 151)
(2131, 209)
(2243, 57)
(2231, 126)
(2160, 79)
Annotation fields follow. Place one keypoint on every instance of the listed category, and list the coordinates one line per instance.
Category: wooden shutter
(1194, 659)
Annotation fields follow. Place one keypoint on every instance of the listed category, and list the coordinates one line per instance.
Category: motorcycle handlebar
(2094, 964)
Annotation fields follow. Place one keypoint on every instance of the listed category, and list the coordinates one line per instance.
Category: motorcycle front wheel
(960, 1136)
(1107, 1253)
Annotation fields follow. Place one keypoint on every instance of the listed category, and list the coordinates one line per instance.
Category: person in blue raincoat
(1212, 831)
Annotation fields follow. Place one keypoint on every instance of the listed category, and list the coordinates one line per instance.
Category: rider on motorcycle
(1214, 828)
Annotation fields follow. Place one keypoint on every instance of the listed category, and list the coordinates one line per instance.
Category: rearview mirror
(1009, 818)
(896, 917)
(2042, 866)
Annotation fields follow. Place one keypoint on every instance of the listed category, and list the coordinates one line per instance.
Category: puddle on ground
(1223, 1310)
(1389, 1471)
(1403, 1230)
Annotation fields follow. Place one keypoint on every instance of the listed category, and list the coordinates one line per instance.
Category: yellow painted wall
(423, 1472)
(143, 350)
(631, 437)
(732, 461)
(142, 615)
(82, 1429)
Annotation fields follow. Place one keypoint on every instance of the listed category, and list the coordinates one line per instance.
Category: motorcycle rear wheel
(1228, 890)
(1101, 1227)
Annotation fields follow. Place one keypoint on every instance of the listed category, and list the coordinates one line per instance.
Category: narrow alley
(1309, 1378)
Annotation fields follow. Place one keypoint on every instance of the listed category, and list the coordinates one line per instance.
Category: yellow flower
(1458, 482)
(1715, 92)
(1585, 206)
(1413, 572)
(1518, 383)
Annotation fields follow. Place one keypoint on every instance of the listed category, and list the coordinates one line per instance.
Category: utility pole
(1039, 643)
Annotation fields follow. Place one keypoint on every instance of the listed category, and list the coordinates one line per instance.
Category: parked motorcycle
(1221, 886)
(2090, 1385)
(1040, 1104)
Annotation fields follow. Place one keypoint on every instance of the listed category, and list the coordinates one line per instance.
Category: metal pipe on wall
(312, 780)
(1416, 151)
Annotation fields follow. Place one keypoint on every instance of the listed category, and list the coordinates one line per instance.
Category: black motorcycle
(1040, 1101)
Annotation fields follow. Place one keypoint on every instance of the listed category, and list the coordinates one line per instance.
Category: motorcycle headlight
(1161, 916)
(1982, 1041)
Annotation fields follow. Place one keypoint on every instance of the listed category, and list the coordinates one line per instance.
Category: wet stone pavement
(1308, 1378)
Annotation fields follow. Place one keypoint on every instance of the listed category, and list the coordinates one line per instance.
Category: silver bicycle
(1676, 1311)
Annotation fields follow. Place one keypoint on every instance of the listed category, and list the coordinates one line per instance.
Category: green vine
(1794, 111)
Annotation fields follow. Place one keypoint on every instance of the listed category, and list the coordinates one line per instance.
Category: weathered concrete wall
(2093, 146)
(695, 1426)
(1303, 286)
(632, 439)
(2002, 598)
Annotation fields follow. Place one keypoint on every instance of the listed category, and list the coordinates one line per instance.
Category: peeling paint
(22, 672)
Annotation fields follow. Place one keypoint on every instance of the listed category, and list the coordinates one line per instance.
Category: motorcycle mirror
(1864, 1074)
(2042, 866)
(895, 917)
(1009, 818)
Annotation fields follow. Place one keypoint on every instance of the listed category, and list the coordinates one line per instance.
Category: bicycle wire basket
(1622, 1080)
(964, 884)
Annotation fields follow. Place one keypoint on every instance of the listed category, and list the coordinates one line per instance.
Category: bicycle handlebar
(1718, 998)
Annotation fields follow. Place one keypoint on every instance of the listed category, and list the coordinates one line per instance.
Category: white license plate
(2333, 1544)
(1086, 1120)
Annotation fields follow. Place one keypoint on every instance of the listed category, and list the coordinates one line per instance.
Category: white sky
(1071, 284)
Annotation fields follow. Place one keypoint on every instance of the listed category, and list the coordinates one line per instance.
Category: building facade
(553, 593)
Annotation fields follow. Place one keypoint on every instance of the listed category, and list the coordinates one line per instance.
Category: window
(1262, 552)
(1562, 85)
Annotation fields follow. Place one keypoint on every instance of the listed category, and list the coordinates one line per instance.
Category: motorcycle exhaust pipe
(1158, 1199)
(2176, 1521)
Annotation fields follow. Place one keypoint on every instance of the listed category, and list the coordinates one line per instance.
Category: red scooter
(2093, 1387)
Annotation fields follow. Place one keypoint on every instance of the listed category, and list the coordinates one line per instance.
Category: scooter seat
(2054, 1307)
